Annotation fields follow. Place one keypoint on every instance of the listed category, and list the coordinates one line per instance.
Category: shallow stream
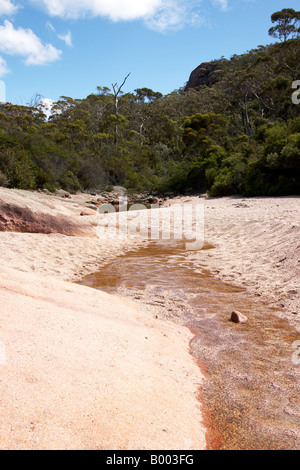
(250, 399)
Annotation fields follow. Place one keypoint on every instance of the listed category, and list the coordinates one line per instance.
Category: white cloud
(222, 3)
(7, 7)
(4, 70)
(158, 14)
(67, 38)
(161, 15)
(46, 106)
(50, 26)
(116, 10)
(24, 43)
(173, 15)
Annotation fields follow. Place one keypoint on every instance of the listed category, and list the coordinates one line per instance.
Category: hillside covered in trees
(240, 134)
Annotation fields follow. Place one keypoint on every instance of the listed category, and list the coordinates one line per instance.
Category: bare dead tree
(117, 90)
(35, 101)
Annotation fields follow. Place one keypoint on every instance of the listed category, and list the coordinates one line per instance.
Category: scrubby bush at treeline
(238, 136)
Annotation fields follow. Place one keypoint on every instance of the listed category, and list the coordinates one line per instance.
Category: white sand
(83, 369)
(257, 244)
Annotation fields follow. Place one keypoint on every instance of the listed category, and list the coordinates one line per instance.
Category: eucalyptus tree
(288, 24)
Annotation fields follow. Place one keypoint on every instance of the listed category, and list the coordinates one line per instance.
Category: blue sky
(69, 47)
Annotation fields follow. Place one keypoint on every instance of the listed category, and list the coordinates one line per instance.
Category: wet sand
(250, 399)
(257, 248)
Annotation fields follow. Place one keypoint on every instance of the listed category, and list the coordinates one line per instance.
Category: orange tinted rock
(88, 211)
(14, 218)
(238, 317)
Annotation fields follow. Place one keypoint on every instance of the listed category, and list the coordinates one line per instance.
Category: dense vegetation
(238, 136)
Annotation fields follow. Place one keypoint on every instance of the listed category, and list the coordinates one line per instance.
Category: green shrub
(70, 182)
(3, 180)
(22, 174)
(223, 184)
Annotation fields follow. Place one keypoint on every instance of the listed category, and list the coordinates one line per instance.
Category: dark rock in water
(114, 202)
(238, 317)
(152, 200)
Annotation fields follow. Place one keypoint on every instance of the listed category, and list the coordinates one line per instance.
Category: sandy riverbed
(87, 370)
(257, 246)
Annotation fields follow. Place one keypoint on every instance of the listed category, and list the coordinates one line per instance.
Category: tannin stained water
(252, 389)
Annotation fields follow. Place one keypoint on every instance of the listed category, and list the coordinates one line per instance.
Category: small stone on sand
(238, 317)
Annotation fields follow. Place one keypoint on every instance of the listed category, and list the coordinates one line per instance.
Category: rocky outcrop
(206, 74)
(15, 218)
